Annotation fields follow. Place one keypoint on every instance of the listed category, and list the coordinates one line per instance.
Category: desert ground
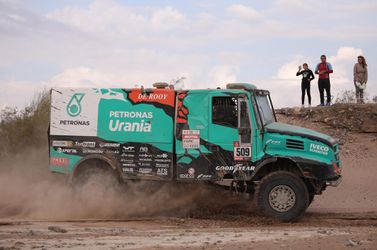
(39, 211)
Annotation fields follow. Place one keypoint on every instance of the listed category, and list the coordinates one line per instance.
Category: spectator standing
(307, 77)
(360, 78)
(324, 69)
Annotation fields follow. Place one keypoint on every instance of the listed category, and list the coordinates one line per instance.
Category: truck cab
(208, 135)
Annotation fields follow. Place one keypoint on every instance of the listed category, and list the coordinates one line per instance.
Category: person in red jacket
(324, 69)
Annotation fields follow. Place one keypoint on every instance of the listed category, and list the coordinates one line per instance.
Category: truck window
(244, 121)
(265, 109)
(224, 111)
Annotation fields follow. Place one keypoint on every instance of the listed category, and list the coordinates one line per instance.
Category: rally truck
(207, 135)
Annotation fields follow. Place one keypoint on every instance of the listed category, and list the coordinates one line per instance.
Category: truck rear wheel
(96, 175)
(282, 195)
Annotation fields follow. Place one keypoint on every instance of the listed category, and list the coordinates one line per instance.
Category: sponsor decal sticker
(59, 161)
(164, 156)
(271, 141)
(143, 149)
(162, 165)
(74, 123)
(145, 159)
(145, 155)
(67, 150)
(191, 171)
(109, 145)
(129, 149)
(152, 96)
(116, 124)
(204, 176)
(235, 168)
(162, 171)
(74, 105)
(144, 164)
(162, 160)
(62, 143)
(191, 139)
(92, 151)
(126, 160)
(129, 165)
(112, 151)
(128, 170)
(145, 170)
(85, 144)
(190, 174)
(127, 155)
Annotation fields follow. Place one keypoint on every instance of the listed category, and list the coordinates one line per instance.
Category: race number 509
(242, 152)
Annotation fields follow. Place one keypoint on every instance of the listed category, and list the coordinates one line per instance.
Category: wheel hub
(282, 198)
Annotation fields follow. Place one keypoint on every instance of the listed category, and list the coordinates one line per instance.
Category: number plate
(242, 152)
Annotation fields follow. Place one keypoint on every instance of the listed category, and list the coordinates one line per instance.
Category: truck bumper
(334, 183)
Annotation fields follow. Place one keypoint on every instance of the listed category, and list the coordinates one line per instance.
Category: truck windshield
(265, 109)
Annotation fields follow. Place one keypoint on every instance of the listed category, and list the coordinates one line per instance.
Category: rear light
(336, 168)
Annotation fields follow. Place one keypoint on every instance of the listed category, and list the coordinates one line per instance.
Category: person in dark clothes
(324, 69)
(307, 77)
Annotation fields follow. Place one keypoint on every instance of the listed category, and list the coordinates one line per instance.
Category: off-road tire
(311, 198)
(287, 184)
(100, 175)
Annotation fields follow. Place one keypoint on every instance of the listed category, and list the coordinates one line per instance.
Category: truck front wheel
(282, 195)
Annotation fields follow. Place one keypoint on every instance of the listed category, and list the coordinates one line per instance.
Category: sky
(124, 43)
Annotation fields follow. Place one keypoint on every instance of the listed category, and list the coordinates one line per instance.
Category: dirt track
(316, 231)
(343, 217)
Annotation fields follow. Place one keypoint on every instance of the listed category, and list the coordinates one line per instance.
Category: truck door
(223, 128)
(214, 141)
(231, 132)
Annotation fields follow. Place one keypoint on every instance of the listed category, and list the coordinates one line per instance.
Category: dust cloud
(28, 190)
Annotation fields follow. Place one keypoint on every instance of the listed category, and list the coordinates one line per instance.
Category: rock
(31, 233)
(351, 243)
(57, 229)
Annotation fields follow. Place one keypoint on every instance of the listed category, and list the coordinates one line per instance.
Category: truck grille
(294, 144)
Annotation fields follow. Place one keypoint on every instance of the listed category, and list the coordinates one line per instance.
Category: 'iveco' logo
(319, 149)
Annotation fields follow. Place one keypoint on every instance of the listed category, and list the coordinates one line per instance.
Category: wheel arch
(81, 165)
(272, 164)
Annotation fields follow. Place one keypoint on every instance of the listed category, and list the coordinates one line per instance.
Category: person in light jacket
(360, 78)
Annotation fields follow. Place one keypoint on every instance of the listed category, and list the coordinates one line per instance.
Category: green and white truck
(208, 135)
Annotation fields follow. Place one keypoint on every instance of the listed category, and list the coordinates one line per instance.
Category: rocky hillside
(338, 120)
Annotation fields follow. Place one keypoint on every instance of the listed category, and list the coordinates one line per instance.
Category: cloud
(167, 18)
(289, 69)
(114, 44)
(80, 77)
(245, 12)
(343, 63)
(221, 75)
(111, 17)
